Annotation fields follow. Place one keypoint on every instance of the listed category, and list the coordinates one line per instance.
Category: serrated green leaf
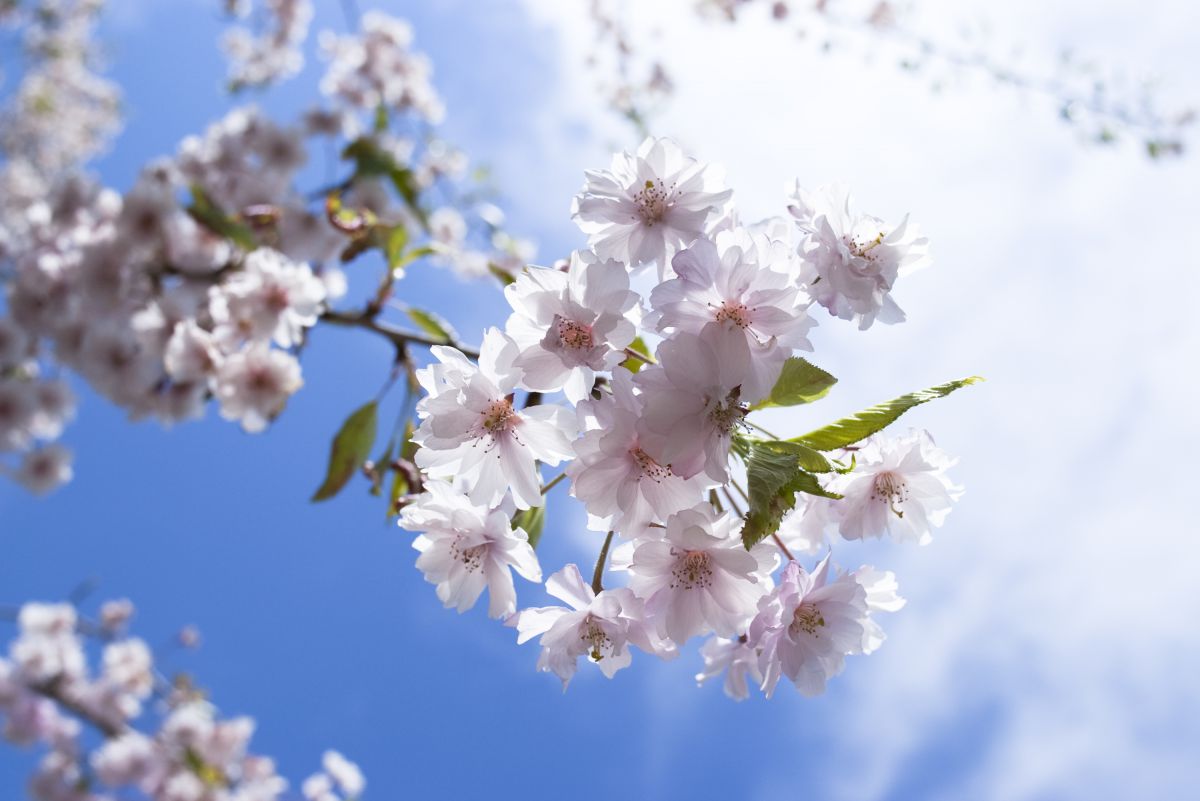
(857, 427)
(351, 447)
(774, 478)
(212, 217)
(432, 324)
(532, 521)
(807, 458)
(633, 363)
(800, 382)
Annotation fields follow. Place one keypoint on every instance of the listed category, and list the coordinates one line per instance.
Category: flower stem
(598, 575)
(553, 482)
(783, 547)
(633, 354)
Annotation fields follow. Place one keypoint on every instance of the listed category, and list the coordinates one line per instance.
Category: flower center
(653, 202)
(726, 414)
(573, 335)
(806, 618)
(650, 468)
(498, 417)
(862, 247)
(597, 640)
(735, 313)
(693, 570)
(276, 298)
(261, 379)
(472, 558)
(891, 489)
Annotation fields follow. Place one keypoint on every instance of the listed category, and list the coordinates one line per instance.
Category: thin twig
(554, 482)
(396, 336)
(782, 547)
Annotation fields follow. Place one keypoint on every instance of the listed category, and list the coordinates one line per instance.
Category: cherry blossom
(649, 204)
(465, 548)
(271, 298)
(253, 385)
(622, 486)
(806, 627)
(745, 285)
(699, 578)
(600, 626)
(693, 402)
(571, 325)
(857, 258)
(899, 487)
(476, 433)
(736, 659)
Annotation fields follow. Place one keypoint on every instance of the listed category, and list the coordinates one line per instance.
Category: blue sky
(1046, 651)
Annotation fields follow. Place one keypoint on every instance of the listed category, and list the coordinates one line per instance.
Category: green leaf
(210, 215)
(857, 427)
(633, 363)
(532, 521)
(416, 253)
(807, 458)
(505, 276)
(372, 160)
(800, 382)
(774, 478)
(381, 118)
(394, 244)
(433, 325)
(351, 447)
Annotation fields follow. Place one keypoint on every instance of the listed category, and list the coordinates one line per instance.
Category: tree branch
(396, 336)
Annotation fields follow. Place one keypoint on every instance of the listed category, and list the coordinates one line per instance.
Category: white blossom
(599, 626)
(474, 431)
(253, 385)
(649, 204)
(736, 659)
(621, 485)
(745, 286)
(465, 548)
(571, 325)
(692, 402)
(857, 258)
(898, 487)
(698, 578)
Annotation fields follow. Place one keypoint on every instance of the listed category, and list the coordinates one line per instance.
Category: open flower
(472, 430)
(599, 626)
(622, 485)
(571, 325)
(745, 286)
(899, 487)
(692, 403)
(648, 204)
(857, 258)
(805, 629)
(698, 578)
(465, 548)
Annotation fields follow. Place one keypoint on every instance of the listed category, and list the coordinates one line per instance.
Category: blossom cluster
(200, 282)
(159, 738)
(652, 439)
